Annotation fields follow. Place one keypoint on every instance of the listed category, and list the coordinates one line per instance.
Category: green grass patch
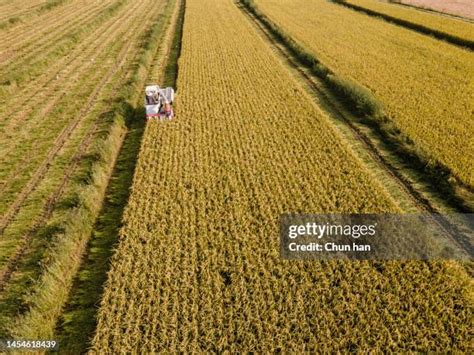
(10, 22)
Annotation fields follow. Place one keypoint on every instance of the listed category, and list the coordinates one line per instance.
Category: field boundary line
(422, 203)
(452, 39)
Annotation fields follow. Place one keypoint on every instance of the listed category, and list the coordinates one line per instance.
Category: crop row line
(63, 73)
(82, 62)
(6, 13)
(18, 52)
(58, 144)
(76, 158)
(84, 215)
(30, 29)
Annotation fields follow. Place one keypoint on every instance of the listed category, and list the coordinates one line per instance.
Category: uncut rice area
(198, 268)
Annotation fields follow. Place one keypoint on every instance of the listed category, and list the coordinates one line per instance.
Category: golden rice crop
(197, 267)
(452, 26)
(425, 84)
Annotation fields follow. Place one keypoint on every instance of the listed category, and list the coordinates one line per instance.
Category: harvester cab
(159, 102)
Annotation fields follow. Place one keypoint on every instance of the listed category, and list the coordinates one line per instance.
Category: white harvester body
(159, 102)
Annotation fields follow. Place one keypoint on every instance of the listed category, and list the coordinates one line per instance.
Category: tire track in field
(51, 97)
(17, 57)
(416, 197)
(59, 142)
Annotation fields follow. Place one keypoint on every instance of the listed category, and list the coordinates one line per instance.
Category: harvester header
(159, 102)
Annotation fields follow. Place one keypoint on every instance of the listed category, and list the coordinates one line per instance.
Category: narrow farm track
(62, 138)
(422, 204)
(139, 24)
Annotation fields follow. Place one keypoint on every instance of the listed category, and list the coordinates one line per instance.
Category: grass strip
(10, 22)
(50, 4)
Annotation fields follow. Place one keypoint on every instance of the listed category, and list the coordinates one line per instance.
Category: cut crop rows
(62, 135)
(18, 46)
(198, 265)
(52, 123)
(17, 8)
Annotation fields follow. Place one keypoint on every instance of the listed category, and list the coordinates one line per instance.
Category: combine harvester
(159, 102)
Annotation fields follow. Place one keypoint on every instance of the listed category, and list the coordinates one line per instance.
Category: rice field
(452, 26)
(425, 84)
(64, 75)
(198, 269)
(122, 234)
